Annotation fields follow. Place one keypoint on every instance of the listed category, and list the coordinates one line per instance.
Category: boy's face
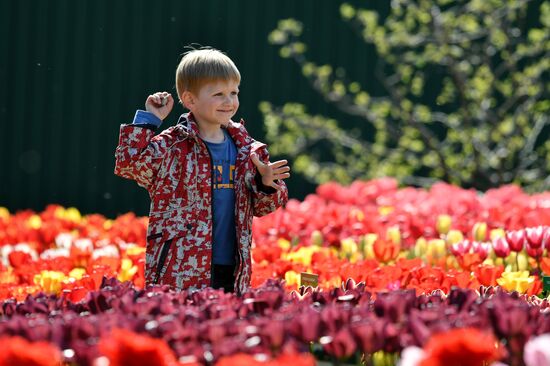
(215, 103)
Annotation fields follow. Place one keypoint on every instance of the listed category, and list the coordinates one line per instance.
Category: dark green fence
(72, 71)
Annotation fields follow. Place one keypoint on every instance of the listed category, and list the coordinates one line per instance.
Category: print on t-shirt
(223, 174)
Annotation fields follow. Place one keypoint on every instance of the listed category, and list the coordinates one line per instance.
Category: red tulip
(466, 346)
(501, 247)
(386, 251)
(17, 351)
(535, 236)
(534, 252)
(516, 240)
(124, 347)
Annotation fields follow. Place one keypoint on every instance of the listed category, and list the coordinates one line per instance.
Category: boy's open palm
(271, 172)
(160, 104)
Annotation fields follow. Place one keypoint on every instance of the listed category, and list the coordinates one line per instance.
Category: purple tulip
(341, 344)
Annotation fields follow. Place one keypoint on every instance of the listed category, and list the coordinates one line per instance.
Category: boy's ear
(187, 99)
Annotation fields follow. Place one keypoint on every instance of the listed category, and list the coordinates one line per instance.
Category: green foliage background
(464, 97)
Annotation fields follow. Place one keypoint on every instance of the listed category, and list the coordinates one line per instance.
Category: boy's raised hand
(271, 172)
(160, 104)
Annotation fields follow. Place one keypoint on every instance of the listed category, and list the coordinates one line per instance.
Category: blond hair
(199, 67)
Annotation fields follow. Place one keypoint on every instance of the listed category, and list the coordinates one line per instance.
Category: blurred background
(73, 71)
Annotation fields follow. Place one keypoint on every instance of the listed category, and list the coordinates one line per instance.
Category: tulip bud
(4, 213)
(523, 262)
(479, 231)
(34, 222)
(516, 240)
(291, 278)
(453, 237)
(316, 238)
(438, 246)
(497, 233)
(443, 224)
(283, 243)
(348, 246)
(501, 247)
(420, 247)
(393, 234)
(368, 252)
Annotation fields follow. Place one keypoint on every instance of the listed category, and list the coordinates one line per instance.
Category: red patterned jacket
(175, 168)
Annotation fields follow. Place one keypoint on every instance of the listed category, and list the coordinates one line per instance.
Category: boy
(206, 177)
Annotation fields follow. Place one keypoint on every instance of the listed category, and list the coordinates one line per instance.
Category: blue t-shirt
(224, 156)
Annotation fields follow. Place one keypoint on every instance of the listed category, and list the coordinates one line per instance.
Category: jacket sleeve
(266, 199)
(139, 153)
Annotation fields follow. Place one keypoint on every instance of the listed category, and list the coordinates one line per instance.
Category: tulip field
(406, 276)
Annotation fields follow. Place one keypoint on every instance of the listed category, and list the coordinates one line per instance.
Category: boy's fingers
(281, 170)
(278, 163)
(281, 176)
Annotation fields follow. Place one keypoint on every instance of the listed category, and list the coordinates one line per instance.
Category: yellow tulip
(393, 234)
(348, 247)
(420, 247)
(4, 213)
(437, 248)
(385, 210)
(50, 281)
(480, 231)
(523, 261)
(516, 281)
(453, 237)
(357, 214)
(77, 273)
(127, 270)
(135, 250)
(292, 278)
(316, 238)
(108, 224)
(283, 244)
(497, 233)
(7, 276)
(367, 242)
(34, 222)
(72, 214)
(443, 224)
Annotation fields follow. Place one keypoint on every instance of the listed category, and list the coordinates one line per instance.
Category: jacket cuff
(144, 118)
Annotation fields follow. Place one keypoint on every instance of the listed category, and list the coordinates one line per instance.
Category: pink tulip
(537, 352)
(501, 247)
(481, 248)
(461, 248)
(535, 236)
(516, 240)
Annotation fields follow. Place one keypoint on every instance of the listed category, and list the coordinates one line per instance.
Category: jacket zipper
(162, 259)
(212, 211)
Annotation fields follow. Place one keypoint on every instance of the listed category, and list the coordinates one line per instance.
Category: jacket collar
(188, 127)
